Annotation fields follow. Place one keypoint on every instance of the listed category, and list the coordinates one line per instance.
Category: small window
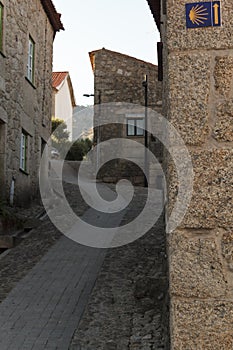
(1, 26)
(23, 151)
(42, 147)
(135, 127)
(31, 60)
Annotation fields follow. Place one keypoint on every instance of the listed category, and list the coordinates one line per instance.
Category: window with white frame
(23, 151)
(31, 60)
(1, 26)
(135, 126)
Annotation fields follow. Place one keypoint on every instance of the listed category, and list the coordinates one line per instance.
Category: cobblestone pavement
(128, 306)
(127, 309)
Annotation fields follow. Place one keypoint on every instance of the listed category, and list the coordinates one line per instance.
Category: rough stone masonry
(198, 100)
(118, 79)
(25, 106)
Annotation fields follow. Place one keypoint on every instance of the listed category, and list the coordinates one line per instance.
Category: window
(1, 26)
(31, 59)
(135, 127)
(23, 151)
(42, 147)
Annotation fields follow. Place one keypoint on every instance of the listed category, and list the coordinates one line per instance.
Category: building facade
(118, 78)
(197, 99)
(27, 32)
(63, 99)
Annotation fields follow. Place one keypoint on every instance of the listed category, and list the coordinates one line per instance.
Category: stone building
(119, 78)
(27, 32)
(63, 99)
(197, 99)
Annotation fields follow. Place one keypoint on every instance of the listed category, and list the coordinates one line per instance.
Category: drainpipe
(145, 85)
(12, 191)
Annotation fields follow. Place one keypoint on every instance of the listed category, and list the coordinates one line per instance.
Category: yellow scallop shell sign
(203, 14)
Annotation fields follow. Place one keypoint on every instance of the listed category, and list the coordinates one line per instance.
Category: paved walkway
(43, 310)
(45, 307)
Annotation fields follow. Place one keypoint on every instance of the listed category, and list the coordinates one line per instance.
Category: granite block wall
(198, 95)
(24, 106)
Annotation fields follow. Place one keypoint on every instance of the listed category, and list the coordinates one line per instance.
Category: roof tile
(58, 78)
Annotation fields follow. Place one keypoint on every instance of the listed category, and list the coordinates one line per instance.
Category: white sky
(125, 26)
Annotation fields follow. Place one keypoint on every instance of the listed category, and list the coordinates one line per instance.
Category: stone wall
(119, 78)
(198, 100)
(24, 105)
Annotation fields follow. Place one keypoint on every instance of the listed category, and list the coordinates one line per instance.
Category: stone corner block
(195, 267)
(202, 325)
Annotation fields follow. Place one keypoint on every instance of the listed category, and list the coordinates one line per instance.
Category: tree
(60, 140)
(60, 134)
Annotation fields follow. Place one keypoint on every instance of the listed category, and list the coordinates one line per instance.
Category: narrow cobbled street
(57, 294)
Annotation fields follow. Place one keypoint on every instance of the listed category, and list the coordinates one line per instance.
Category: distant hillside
(83, 122)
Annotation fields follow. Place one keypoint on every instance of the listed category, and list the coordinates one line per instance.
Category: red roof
(58, 78)
(53, 16)
(155, 7)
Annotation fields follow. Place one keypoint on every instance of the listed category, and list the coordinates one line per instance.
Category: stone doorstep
(7, 242)
(31, 223)
(11, 239)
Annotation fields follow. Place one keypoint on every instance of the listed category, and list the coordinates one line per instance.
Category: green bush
(79, 150)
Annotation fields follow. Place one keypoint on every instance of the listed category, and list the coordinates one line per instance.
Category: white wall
(63, 105)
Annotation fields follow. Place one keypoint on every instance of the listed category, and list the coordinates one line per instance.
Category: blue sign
(203, 14)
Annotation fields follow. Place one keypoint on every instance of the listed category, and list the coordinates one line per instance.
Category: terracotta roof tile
(58, 78)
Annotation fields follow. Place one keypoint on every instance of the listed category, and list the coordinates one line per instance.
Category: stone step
(7, 242)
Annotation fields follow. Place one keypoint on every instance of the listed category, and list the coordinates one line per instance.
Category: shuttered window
(23, 151)
(31, 60)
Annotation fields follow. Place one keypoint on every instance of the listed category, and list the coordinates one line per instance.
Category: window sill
(23, 171)
(30, 83)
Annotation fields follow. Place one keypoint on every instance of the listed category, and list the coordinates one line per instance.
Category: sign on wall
(203, 14)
